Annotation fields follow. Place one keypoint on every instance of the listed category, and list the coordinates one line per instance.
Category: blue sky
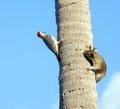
(29, 71)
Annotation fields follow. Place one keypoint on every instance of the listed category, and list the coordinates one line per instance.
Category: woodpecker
(50, 41)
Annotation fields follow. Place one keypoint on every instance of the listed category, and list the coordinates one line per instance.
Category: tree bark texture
(77, 85)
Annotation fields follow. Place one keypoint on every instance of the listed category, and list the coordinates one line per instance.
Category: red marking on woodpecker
(40, 34)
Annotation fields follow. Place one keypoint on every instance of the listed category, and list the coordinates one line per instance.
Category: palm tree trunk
(77, 85)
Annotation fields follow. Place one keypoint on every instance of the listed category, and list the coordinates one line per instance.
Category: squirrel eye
(92, 55)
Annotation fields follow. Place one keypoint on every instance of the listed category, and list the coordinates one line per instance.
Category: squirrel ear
(95, 49)
(89, 47)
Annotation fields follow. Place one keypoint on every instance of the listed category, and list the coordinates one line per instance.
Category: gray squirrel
(96, 61)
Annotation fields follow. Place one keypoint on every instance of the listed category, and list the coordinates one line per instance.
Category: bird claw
(60, 41)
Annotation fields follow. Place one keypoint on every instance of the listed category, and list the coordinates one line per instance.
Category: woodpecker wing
(51, 43)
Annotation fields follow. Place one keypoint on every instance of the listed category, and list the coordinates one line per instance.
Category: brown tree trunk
(77, 85)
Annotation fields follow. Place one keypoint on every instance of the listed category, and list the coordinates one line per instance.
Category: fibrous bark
(77, 85)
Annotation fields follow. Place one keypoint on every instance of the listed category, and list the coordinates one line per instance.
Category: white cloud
(111, 96)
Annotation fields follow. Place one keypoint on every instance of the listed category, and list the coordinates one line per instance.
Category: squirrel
(96, 61)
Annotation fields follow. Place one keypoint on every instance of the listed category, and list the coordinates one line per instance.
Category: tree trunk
(77, 85)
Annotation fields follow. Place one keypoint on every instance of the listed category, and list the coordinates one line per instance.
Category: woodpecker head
(41, 34)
